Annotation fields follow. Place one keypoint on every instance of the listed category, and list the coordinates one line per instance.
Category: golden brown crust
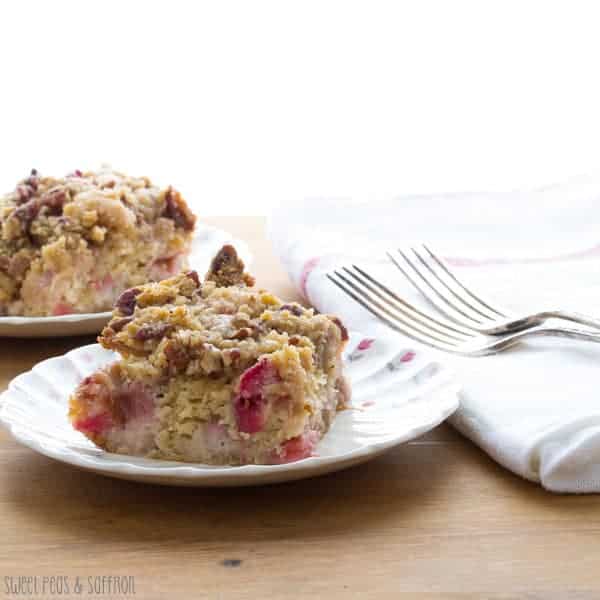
(215, 328)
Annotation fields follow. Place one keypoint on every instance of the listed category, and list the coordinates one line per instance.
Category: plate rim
(199, 474)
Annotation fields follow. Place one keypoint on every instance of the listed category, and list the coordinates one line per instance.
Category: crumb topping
(46, 221)
(183, 326)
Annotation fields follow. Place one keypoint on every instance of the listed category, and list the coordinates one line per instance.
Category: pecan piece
(227, 269)
(27, 212)
(153, 332)
(242, 334)
(193, 275)
(24, 193)
(246, 331)
(27, 189)
(127, 300)
(54, 200)
(118, 324)
(178, 211)
(295, 309)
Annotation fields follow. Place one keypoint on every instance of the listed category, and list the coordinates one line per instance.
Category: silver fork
(444, 290)
(435, 331)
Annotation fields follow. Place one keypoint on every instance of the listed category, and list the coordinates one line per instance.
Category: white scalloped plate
(207, 241)
(397, 395)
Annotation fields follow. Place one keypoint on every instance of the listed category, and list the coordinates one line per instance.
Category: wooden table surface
(435, 516)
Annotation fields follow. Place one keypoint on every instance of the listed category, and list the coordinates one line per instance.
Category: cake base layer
(255, 422)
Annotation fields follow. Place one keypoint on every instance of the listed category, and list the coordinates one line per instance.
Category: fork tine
(456, 295)
(408, 319)
(395, 322)
(388, 322)
(460, 284)
(434, 298)
(445, 327)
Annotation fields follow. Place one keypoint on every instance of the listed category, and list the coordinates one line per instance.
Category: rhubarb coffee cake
(72, 244)
(213, 371)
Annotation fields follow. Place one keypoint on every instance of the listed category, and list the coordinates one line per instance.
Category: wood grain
(434, 517)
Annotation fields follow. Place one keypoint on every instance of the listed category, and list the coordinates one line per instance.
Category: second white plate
(207, 241)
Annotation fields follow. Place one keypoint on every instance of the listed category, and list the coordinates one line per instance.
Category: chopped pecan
(193, 275)
(153, 332)
(178, 211)
(126, 301)
(242, 334)
(109, 340)
(24, 193)
(4, 263)
(54, 200)
(227, 269)
(249, 330)
(295, 309)
(117, 324)
(27, 212)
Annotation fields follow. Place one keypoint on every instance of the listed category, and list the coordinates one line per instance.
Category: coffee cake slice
(73, 244)
(214, 372)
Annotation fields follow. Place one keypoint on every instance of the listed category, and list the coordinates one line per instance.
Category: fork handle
(574, 317)
(566, 332)
(507, 341)
(524, 323)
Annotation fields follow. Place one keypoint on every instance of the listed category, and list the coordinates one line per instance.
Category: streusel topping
(186, 326)
(48, 221)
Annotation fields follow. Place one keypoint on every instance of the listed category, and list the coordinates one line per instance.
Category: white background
(244, 105)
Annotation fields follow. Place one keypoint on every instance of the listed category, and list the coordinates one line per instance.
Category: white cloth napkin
(534, 409)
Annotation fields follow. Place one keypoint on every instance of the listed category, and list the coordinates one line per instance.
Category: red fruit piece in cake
(297, 448)
(62, 308)
(91, 408)
(251, 404)
(114, 412)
